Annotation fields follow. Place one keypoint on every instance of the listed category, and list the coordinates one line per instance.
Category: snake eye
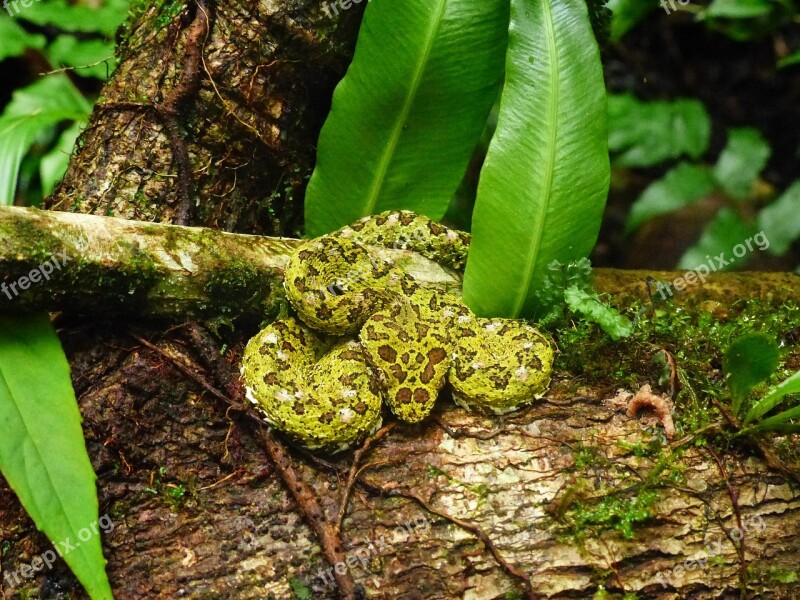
(335, 289)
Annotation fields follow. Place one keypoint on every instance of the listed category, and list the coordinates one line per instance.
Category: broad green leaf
(738, 9)
(410, 110)
(749, 360)
(14, 40)
(42, 450)
(545, 180)
(642, 134)
(626, 14)
(725, 237)
(773, 397)
(741, 161)
(54, 164)
(780, 221)
(67, 16)
(90, 58)
(593, 309)
(33, 109)
(685, 184)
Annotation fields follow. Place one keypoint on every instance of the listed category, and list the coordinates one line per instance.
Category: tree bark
(461, 506)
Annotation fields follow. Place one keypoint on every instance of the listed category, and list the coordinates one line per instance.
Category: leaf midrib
(552, 114)
(394, 139)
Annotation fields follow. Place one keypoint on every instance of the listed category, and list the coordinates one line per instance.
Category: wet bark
(460, 506)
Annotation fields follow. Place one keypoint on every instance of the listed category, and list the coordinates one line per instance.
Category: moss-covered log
(103, 265)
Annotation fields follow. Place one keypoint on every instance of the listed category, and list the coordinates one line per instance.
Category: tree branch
(103, 265)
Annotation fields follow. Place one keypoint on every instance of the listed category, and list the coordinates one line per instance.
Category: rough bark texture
(247, 114)
(198, 509)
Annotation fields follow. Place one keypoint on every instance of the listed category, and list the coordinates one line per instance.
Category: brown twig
(327, 533)
(168, 111)
(740, 547)
(355, 471)
(185, 88)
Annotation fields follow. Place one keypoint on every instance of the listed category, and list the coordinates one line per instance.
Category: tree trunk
(462, 506)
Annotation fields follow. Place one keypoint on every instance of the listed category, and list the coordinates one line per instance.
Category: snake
(364, 338)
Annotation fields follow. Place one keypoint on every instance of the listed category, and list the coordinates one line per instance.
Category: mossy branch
(103, 265)
(115, 266)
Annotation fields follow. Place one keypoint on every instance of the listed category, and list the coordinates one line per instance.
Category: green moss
(173, 493)
(782, 575)
(227, 287)
(620, 511)
(299, 589)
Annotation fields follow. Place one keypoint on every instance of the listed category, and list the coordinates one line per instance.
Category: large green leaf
(741, 161)
(408, 114)
(545, 180)
(685, 184)
(642, 134)
(42, 450)
(32, 110)
(14, 40)
(779, 221)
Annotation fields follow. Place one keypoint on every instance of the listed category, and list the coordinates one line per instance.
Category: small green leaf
(781, 421)
(627, 14)
(779, 221)
(32, 110)
(544, 183)
(738, 9)
(42, 450)
(642, 134)
(749, 360)
(593, 309)
(741, 161)
(682, 186)
(15, 40)
(89, 58)
(773, 397)
(410, 111)
(726, 237)
(54, 164)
